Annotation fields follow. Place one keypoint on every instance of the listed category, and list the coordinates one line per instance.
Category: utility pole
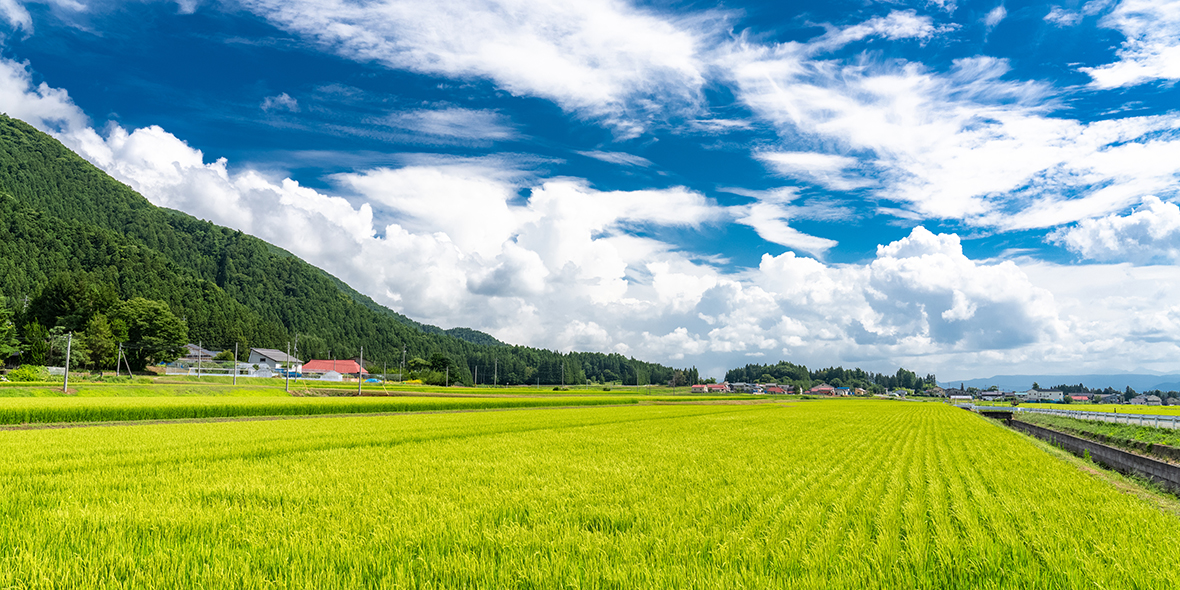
(448, 376)
(360, 372)
(200, 348)
(118, 358)
(235, 363)
(402, 376)
(66, 384)
(476, 375)
(126, 362)
(288, 371)
(496, 374)
(383, 372)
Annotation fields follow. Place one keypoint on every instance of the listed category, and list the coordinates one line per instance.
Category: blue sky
(960, 188)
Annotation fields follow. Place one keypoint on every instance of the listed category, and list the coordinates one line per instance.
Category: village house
(775, 389)
(717, 387)
(700, 388)
(822, 389)
(1034, 395)
(274, 360)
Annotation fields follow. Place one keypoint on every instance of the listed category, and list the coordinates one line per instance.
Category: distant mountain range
(1138, 382)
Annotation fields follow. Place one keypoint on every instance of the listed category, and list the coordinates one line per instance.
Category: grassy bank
(1126, 436)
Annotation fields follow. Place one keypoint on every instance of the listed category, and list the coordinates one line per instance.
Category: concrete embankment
(1117, 459)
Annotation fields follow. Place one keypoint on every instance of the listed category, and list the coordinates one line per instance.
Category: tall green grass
(1094, 428)
(1117, 408)
(848, 494)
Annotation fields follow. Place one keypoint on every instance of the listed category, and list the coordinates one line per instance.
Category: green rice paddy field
(821, 494)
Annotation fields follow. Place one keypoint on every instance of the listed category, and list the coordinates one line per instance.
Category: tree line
(787, 373)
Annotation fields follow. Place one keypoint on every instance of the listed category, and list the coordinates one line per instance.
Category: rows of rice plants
(844, 494)
(46, 410)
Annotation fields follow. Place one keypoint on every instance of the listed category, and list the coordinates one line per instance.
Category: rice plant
(846, 494)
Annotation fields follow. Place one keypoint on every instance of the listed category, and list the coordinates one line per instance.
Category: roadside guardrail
(1153, 420)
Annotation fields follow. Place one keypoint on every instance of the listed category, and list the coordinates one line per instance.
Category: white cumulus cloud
(1149, 234)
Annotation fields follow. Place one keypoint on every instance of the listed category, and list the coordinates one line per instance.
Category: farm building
(341, 366)
(274, 360)
(700, 388)
(717, 388)
(193, 353)
(822, 389)
(775, 389)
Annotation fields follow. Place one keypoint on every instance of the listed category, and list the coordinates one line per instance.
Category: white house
(274, 360)
(1048, 396)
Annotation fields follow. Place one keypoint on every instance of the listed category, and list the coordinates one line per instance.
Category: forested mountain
(785, 373)
(75, 243)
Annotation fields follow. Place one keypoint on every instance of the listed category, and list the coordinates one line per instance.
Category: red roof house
(775, 389)
(342, 366)
(717, 388)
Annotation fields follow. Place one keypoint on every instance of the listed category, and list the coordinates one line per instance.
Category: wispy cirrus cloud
(1151, 50)
(600, 59)
(966, 144)
(620, 158)
(898, 24)
(451, 122)
(831, 171)
(280, 102)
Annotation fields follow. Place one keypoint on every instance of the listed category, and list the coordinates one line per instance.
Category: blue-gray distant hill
(1138, 382)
